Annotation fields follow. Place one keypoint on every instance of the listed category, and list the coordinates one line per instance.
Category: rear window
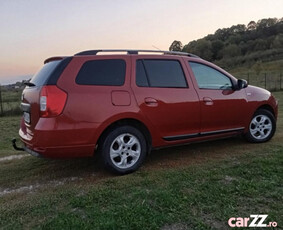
(40, 78)
(160, 73)
(102, 72)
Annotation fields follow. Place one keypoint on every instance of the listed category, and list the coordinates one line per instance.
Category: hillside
(240, 45)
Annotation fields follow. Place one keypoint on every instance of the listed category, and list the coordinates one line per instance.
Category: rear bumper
(59, 151)
(33, 153)
(52, 140)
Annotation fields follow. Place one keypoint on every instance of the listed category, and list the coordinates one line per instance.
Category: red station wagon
(123, 104)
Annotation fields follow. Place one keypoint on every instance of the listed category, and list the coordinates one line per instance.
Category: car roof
(123, 51)
(130, 51)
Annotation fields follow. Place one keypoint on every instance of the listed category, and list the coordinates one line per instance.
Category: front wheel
(123, 149)
(262, 127)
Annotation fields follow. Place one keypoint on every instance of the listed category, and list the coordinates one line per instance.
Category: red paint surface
(165, 112)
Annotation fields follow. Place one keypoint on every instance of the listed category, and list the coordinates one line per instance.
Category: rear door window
(160, 73)
(102, 72)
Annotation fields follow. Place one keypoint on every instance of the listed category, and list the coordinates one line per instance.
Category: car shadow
(31, 170)
(162, 158)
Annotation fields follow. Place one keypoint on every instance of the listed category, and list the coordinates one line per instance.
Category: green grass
(273, 70)
(11, 95)
(200, 196)
(260, 67)
(11, 102)
(199, 186)
(9, 127)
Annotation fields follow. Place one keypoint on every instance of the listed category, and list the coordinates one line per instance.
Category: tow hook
(15, 145)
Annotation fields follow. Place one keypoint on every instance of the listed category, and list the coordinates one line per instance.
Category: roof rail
(94, 52)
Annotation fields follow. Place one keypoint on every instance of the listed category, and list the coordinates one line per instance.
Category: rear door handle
(208, 101)
(150, 101)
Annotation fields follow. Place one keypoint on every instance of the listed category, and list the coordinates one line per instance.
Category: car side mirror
(241, 84)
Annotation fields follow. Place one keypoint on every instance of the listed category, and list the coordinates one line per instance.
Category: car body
(73, 104)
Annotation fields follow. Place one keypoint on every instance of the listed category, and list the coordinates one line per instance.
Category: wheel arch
(266, 107)
(131, 122)
(254, 110)
(262, 110)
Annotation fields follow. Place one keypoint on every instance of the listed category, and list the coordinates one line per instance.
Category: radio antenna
(156, 47)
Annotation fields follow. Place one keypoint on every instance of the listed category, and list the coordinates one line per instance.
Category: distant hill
(13, 79)
(240, 44)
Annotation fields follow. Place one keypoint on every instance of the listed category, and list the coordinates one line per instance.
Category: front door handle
(150, 101)
(208, 101)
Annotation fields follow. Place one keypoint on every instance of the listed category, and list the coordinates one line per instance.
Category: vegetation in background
(10, 101)
(240, 45)
(176, 46)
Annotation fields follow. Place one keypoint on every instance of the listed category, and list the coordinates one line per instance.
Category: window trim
(231, 80)
(146, 73)
(147, 77)
(84, 63)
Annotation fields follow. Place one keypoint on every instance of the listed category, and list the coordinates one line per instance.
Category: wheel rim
(125, 151)
(261, 127)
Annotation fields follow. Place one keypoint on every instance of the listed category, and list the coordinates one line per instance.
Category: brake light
(52, 101)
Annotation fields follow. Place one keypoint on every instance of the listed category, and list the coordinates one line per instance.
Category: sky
(33, 30)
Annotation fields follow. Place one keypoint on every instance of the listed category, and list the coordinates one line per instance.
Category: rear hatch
(32, 102)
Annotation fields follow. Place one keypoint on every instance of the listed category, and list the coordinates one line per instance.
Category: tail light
(52, 101)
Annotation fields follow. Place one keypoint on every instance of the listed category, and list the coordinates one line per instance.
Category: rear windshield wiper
(29, 83)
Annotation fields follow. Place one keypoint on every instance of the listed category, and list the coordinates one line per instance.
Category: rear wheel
(123, 149)
(262, 127)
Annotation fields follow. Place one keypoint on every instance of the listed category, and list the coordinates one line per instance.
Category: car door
(222, 107)
(165, 96)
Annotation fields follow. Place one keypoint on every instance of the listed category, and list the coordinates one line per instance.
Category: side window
(102, 72)
(209, 78)
(160, 73)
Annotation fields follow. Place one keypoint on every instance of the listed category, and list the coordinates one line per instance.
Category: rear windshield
(42, 75)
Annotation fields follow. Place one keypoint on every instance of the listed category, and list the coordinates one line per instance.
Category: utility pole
(1, 105)
(280, 80)
(248, 77)
(265, 80)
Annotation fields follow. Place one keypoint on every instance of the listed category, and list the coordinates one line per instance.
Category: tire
(262, 127)
(123, 150)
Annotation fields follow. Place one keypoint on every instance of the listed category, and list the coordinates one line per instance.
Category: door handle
(208, 101)
(150, 101)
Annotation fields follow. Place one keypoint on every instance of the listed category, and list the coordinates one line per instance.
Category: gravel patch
(12, 157)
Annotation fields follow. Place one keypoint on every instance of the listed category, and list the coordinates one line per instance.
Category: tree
(261, 45)
(239, 44)
(176, 46)
(240, 28)
(278, 42)
(231, 51)
(222, 34)
(216, 47)
(252, 25)
(267, 22)
(235, 39)
(203, 49)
